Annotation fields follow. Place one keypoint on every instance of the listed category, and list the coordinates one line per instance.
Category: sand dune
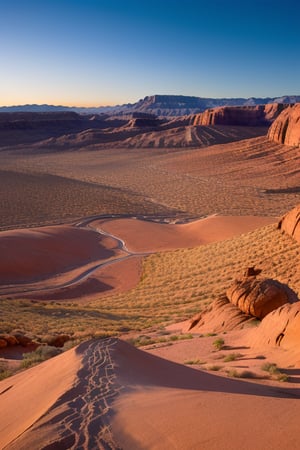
(30, 254)
(170, 406)
(68, 262)
(142, 236)
(123, 397)
(26, 397)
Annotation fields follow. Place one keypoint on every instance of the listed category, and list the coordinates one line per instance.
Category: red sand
(30, 254)
(37, 263)
(142, 236)
(107, 394)
(171, 406)
(123, 397)
(25, 397)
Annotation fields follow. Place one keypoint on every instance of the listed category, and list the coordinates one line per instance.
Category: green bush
(219, 344)
(4, 371)
(271, 368)
(232, 357)
(40, 354)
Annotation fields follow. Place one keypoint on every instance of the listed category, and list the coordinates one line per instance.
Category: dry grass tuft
(174, 286)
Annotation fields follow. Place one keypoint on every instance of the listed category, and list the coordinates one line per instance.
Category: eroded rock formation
(286, 128)
(290, 223)
(280, 328)
(220, 315)
(8, 340)
(257, 297)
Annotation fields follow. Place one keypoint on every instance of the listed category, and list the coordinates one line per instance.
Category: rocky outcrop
(9, 340)
(28, 127)
(57, 340)
(286, 128)
(144, 120)
(281, 328)
(261, 115)
(290, 223)
(257, 297)
(220, 315)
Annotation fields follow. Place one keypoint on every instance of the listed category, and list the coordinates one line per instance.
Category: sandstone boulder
(3, 343)
(281, 328)
(286, 128)
(220, 315)
(57, 340)
(23, 340)
(10, 339)
(257, 297)
(14, 339)
(290, 223)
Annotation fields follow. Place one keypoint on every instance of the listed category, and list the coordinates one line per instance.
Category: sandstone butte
(260, 115)
(286, 128)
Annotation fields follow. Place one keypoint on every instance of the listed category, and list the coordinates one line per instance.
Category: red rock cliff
(261, 115)
(286, 128)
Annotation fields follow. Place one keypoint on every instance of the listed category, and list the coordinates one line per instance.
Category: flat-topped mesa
(37, 117)
(286, 128)
(260, 115)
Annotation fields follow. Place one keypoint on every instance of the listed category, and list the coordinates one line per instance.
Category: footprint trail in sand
(81, 418)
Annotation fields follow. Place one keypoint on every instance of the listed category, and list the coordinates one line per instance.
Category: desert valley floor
(126, 254)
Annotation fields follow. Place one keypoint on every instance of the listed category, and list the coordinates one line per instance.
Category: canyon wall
(260, 115)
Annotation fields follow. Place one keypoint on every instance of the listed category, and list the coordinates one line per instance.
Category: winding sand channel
(69, 261)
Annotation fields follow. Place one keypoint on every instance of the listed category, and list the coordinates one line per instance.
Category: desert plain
(118, 252)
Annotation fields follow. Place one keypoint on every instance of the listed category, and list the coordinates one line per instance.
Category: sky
(108, 52)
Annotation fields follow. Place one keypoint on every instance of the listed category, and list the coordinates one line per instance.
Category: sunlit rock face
(257, 297)
(260, 115)
(290, 223)
(286, 128)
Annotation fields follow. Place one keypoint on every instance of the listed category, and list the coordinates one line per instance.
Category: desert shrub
(233, 373)
(151, 303)
(232, 357)
(191, 362)
(271, 368)
(5, 372)
(219, 343)
(70, 344)
(181, 337)
(283, 377)
(244, 374)
(40, 354)
(149, 340)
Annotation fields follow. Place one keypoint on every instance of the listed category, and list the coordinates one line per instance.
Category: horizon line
(56, 105)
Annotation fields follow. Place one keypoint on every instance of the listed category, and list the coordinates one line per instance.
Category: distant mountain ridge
(160, 105)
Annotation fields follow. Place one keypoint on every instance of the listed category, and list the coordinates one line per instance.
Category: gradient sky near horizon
(105, 52)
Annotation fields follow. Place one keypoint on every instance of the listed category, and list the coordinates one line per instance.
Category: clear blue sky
(98, 52)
